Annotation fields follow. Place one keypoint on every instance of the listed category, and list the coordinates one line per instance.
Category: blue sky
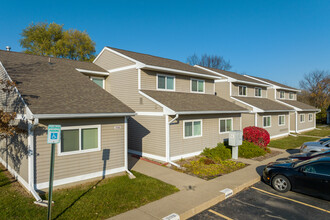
(279, 40)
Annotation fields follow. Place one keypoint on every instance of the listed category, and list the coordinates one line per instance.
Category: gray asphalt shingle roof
(275, 83)
(186, 102)
(264, 103)
(298, 104)
(57, 87)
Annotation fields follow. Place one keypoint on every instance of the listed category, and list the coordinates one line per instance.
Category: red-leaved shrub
(256, 135)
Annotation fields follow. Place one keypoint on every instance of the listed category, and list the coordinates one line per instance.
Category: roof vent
(8, 48)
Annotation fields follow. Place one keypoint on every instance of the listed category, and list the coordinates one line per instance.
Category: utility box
(235, 138)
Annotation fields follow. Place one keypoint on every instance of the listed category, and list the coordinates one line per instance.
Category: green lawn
(323, 132)
(290, 142)
(97, 200)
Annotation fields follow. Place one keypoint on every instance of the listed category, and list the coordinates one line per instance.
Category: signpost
(53, 137)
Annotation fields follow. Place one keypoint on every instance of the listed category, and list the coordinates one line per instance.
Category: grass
(319, 132)
(96, 200)
(290, 142)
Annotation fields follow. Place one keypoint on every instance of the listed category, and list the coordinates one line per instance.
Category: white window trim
(96, 77)
(291, 93)
(300, 118)
(270, 121)
(232, 125)
(165, 82)
(191, 79)
(260, 92)
(283, 96)
(184, 126)
(245, 90)
(310, 114)
(279, 120)
(59, 153)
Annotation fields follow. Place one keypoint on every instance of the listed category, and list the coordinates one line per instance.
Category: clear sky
(277, 39)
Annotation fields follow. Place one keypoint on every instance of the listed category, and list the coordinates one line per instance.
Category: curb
(217, 199)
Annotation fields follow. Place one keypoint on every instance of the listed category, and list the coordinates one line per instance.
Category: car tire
(281, 184)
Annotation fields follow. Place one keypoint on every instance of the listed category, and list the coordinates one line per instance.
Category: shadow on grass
(8, 183)
(74, 202)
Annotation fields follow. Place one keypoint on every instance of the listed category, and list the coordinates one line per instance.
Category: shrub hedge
(256, 135)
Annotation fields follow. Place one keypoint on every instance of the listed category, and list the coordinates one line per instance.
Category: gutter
(130, 175)
(168, 146)
(81, 115)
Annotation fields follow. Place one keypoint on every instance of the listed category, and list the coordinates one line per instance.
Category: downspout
(168, 146)
(130, 175)
(296, 121)
(31, 126)
(256, 119)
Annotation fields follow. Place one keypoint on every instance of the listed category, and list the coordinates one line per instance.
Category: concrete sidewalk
(195, 194)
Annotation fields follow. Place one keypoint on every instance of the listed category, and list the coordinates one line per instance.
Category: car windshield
(324, 140)
(318, 153)
(298, 163)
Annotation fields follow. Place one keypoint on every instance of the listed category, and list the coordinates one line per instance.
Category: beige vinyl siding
(10, 102)
(275, 129)
(307, 124)
(14, 152)
(109, 60)
(147, 134)
(250, 90)
(112, 137)
(286, 95)
(124, 86)
(271, 94)
(182, 83)
(247, 120)
(223, 90)
(210, 133)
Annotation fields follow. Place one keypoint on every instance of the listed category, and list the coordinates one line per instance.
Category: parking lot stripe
(221, 215)
(302, 203)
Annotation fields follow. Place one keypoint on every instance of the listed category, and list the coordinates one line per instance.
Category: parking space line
(221, 215)
(302, 203)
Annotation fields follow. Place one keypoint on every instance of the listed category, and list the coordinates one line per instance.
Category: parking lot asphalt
(262, 202)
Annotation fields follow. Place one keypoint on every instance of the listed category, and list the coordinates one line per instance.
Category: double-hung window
(291, 95)
(242, 90)
(197, 85)
(302, 118)
(165, 82)
(281, 120)
(266, 121)
(80, 139)
(257, 92)
(99, 81)
(226, 125)
(310, 117)
(282, 94)
(192, 129)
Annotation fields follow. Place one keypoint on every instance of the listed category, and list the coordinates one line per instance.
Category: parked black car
(307, 156)
(309, 177)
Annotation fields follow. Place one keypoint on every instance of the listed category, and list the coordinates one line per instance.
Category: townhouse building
(255, 95)
(303, 118)
(178, 113)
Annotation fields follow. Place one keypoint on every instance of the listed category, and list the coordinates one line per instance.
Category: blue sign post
(53, 137)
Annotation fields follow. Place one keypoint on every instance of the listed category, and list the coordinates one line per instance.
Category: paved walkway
(195, 194)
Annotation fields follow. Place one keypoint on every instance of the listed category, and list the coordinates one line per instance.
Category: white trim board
(279, 135)
(82, 115)
(306, 129)
(134, 66)
(174, 158)
(99, 73)
(150, 113)
(73, 179)
(16, 175)
(151, 156)
(277, 87)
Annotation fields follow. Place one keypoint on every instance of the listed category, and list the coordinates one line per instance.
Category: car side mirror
(302, 169)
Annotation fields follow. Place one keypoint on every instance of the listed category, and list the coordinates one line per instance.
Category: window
(310, 117)
(80, 139)
(266, 121)
(226, 125)
(257, 92)
(99, 81)
(291, 95)
(197, 85)
(165, 82)
(192, 129)
(282, 94)
(318, 168)
(242, 90)
(281, 120)
(302, 118)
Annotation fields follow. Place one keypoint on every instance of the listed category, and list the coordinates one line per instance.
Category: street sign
(54, 134)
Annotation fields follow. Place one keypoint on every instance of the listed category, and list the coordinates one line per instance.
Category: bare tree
(213, 61)
(316, 90)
